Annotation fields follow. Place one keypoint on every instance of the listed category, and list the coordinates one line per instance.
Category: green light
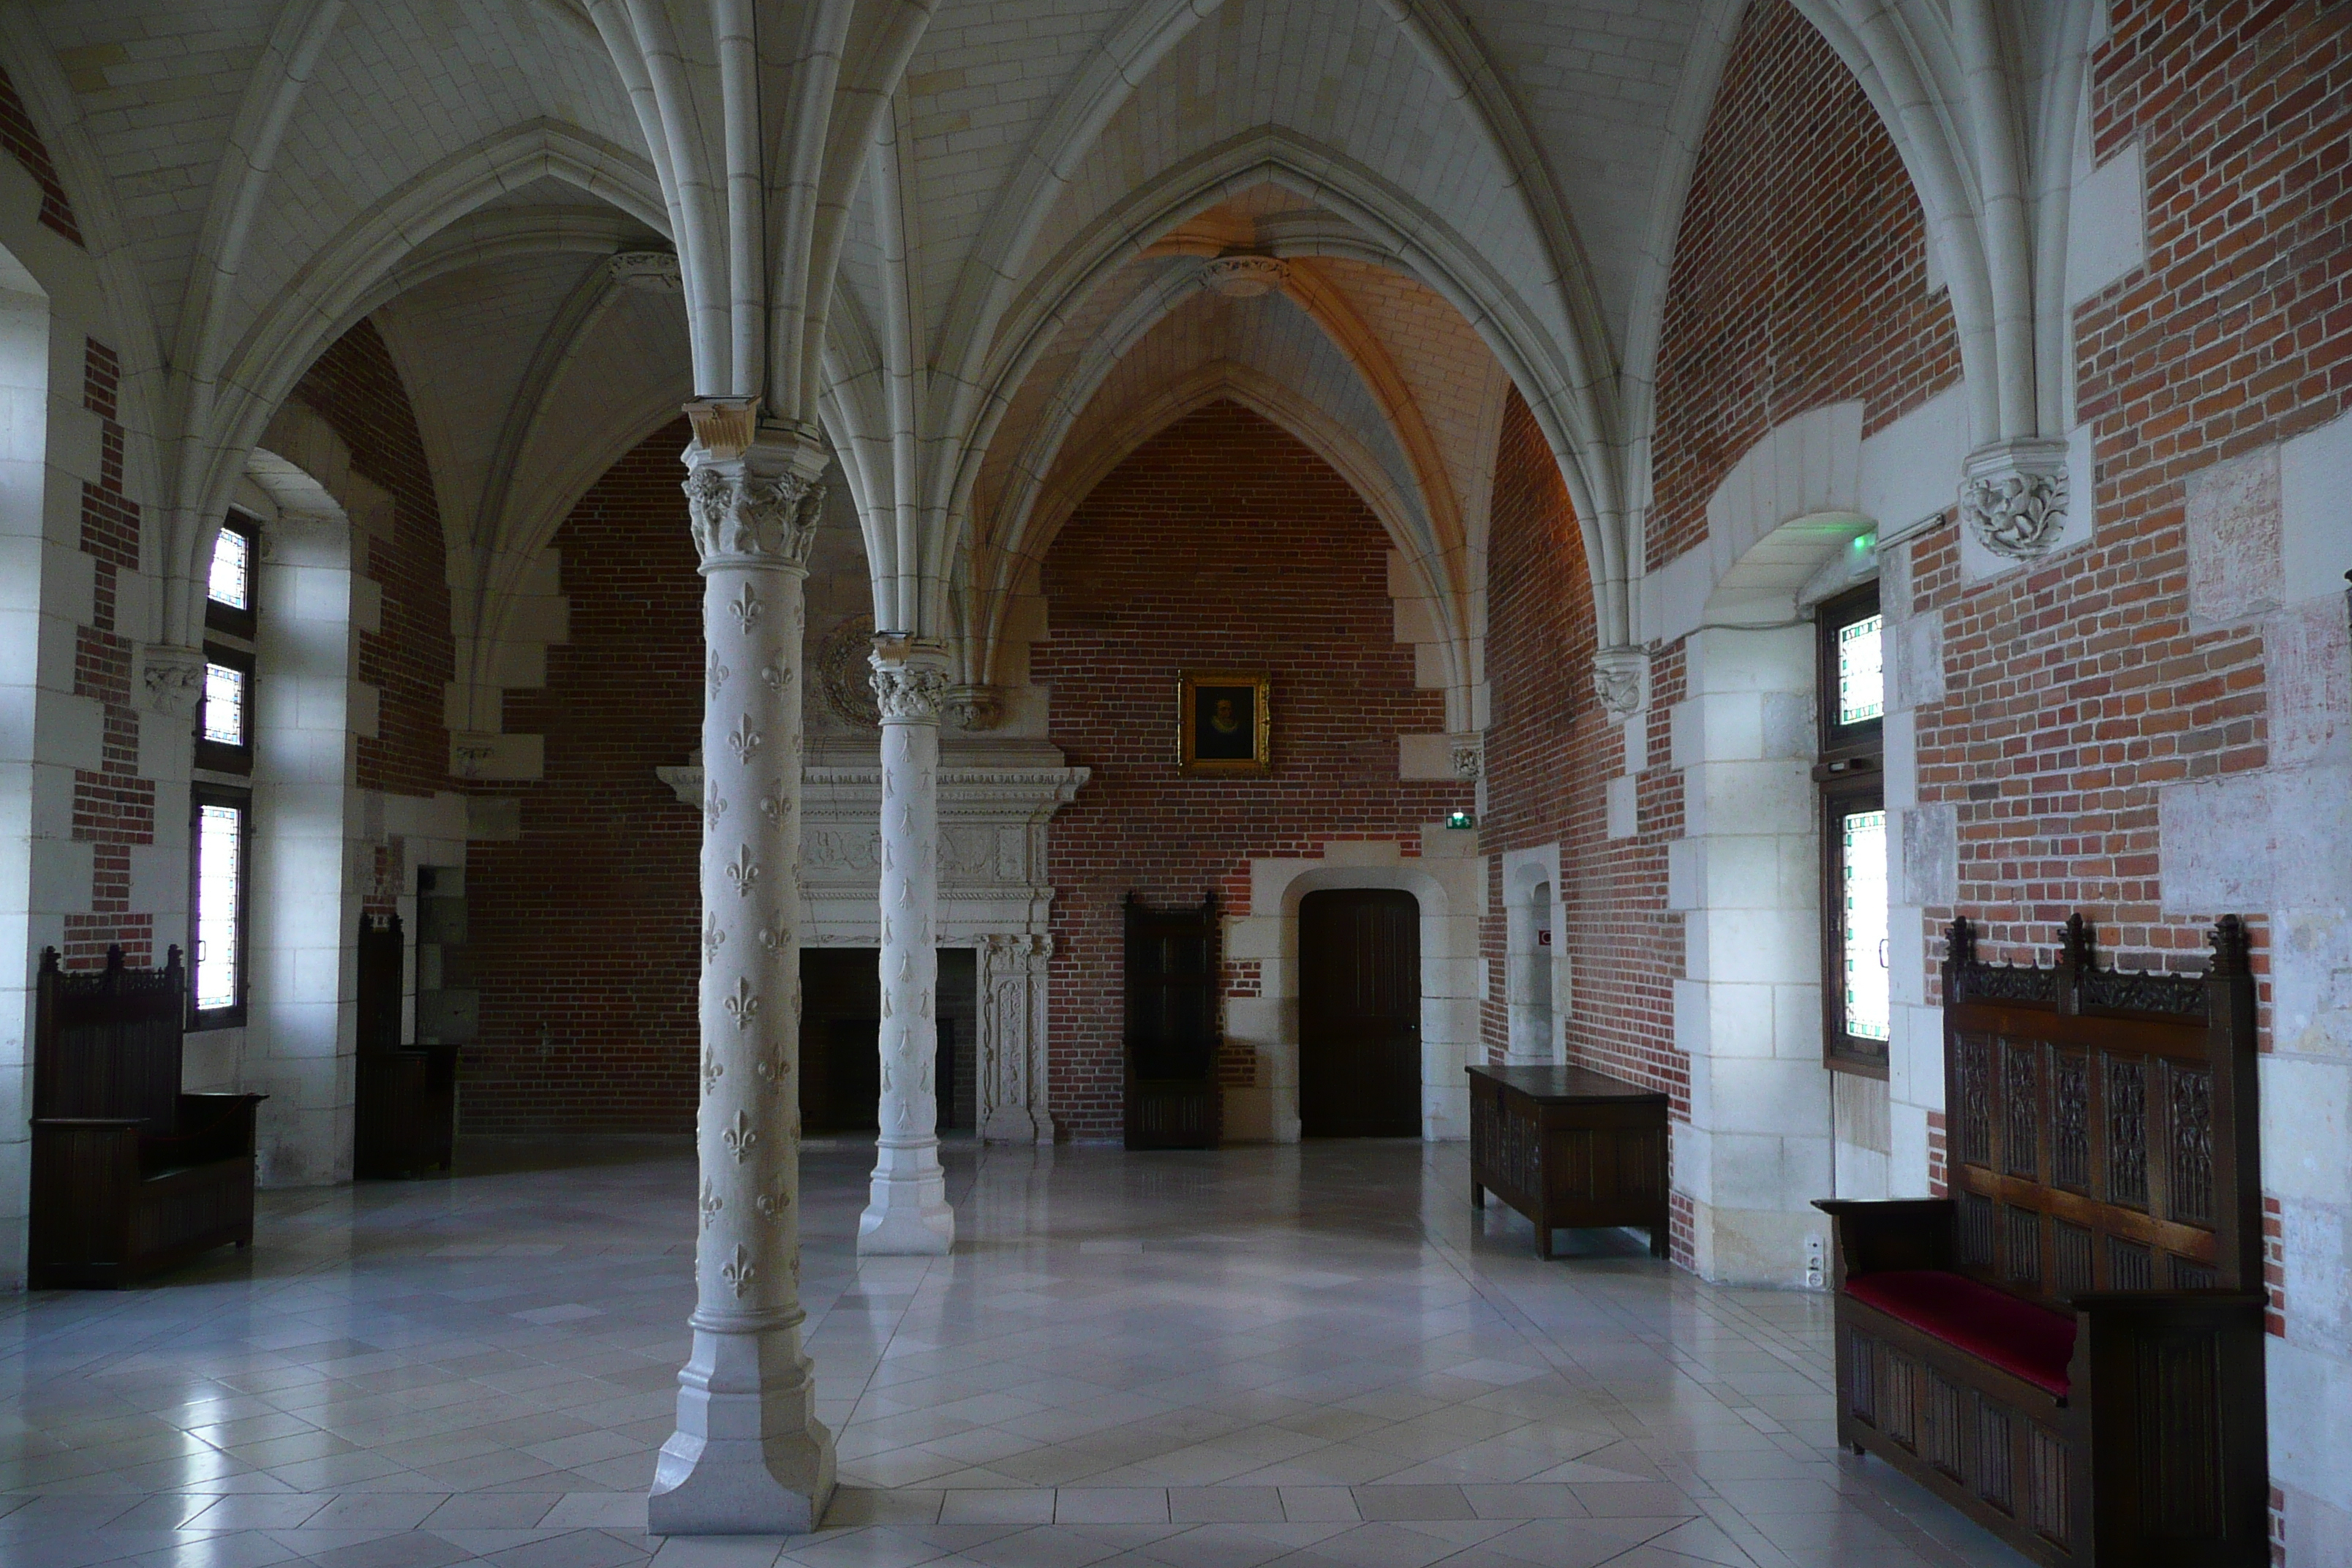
(1460, 819)
(1865, 541)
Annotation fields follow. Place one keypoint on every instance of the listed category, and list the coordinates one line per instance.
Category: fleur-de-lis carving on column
(746, 1420)
(908, 1211)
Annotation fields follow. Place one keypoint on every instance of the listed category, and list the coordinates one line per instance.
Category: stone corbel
(1621, 679)
(170, 679)
(2014, 496)
(686, 782)
(1469, 757)
(972, 707)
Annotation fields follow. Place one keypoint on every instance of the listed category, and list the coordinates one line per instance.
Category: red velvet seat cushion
(2016, 1336)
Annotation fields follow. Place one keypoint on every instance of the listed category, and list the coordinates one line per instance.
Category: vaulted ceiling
(1042, 235)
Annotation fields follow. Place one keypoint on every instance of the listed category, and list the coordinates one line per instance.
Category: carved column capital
(2014, 496)
(910, 681)
(1621, 679)
(754, 494)
(172, 679)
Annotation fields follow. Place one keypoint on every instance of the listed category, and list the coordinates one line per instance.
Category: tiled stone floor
(1309, 1356)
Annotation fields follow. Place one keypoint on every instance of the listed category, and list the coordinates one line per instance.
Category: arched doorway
(1360, 1014)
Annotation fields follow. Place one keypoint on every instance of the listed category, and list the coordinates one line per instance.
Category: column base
(749, 1456)
(908, 1216)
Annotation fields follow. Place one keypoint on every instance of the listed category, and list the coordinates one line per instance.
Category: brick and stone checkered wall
(355, 387)
(1799, 274)
(21, 139)
(583, 934)
(1221, 544)
(113, 806)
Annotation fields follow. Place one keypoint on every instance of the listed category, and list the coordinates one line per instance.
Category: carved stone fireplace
(994, 898)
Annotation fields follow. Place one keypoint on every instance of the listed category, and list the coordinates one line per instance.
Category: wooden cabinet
(1566, 1146)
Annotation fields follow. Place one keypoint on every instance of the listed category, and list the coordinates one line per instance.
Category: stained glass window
(220, 909)
(231, 582)
(1863, 922)
(224, 704)
(1861, 671)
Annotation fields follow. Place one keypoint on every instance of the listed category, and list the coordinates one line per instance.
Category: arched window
(221, 801)
(1851, 770)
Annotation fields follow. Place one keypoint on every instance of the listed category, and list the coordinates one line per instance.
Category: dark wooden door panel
(1360, 1014)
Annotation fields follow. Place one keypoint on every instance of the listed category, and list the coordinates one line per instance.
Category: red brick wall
(1550, 755)
(114, 807)
(2077, 690)
(583, 934)
(1800, 273)
(1221, 544)
(21, 139)
(355, 387)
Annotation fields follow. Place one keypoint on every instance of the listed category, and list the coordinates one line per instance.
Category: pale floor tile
(1130, 1366)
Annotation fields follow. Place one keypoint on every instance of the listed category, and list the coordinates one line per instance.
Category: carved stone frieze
(1245, 277)
(647, 271)
(2013, 497)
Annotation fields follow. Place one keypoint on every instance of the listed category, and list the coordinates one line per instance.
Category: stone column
(909, 1214)
(749, 1456)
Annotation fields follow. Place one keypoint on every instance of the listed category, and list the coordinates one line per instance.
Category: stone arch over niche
(1537, 973)
(1447, 877)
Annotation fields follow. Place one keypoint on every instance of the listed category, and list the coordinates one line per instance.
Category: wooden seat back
(106, 1042)
(2101, 1122)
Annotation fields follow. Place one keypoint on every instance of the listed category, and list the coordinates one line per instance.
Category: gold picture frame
(1225, 721)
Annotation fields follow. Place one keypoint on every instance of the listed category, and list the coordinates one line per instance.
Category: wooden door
(1172, 1029)
(1359, 1014)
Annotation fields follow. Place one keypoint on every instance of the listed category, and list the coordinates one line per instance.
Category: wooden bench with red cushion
(2069, 1348)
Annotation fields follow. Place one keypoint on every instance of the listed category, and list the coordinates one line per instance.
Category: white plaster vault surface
(1308, 1354)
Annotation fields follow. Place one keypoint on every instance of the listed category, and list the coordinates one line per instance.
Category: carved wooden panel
(1899, 1406)
(1946, 1442)
(2070, 1133)
(1996, 1460)
(2188, 1276)
(2070, 1268)
(1973, 1113)
(1862, 1376)
(2179, 1456)
(2021, 1105)
(2127, 1131)
(1976, 1230)
(2130, 1267)
(2190, 1187)
(2022, 1249)
(2048, 1499)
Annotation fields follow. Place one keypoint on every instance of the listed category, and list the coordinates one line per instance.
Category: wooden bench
(2069, 1348)
(1566, 1146)
(129, 1175)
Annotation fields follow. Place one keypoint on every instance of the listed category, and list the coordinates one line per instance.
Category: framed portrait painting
(1223, 721)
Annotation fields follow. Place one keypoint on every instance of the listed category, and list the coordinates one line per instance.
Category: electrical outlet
(1816, 1264)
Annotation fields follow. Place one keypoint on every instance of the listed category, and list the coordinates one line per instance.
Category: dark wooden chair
(2069, 1348)
(1173, 1100)
(404, 1097)
(129, 1175)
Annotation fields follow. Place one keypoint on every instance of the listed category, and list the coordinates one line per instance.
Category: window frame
(201, 796)
(228, 620)
(219, 756)
(1850, 776)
